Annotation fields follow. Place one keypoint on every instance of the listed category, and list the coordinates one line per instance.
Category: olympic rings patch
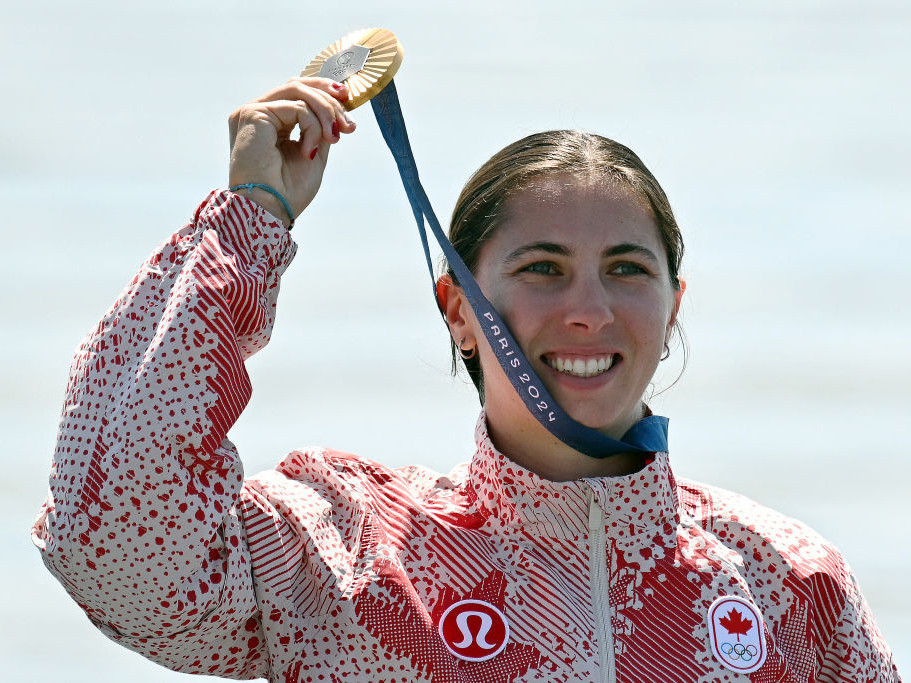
(739, 651)
(737, 634)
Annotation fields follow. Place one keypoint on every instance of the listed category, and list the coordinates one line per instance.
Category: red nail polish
(337, 86)
(313, 153)
(335, 128)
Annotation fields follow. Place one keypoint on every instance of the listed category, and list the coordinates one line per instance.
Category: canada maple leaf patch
(736, 634)
(735, 624)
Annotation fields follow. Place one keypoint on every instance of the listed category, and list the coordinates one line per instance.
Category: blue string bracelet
(271, 190)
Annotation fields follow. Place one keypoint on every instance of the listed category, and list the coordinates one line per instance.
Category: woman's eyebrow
(631, 248)
(549, 247)
(562, 250)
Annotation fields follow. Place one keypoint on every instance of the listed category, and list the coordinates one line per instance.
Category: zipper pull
(595, 513)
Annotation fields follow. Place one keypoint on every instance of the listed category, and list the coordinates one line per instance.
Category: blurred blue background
(779, 130)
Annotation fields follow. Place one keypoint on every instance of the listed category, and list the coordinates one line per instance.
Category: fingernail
(335, 129)
(337, 86)
(313, 153)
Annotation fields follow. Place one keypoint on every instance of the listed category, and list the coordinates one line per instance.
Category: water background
(779, 130)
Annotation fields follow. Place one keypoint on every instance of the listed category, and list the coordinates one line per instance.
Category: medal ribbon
(649, 435)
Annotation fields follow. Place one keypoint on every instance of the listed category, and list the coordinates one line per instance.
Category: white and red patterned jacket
(336, 568)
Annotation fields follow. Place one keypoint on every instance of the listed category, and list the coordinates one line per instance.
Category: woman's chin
(611, 425)
(601, 403)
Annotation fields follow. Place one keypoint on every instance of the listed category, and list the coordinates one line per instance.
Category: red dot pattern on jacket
(332, 567)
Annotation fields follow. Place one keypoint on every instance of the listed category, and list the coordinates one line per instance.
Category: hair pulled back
(480, 208)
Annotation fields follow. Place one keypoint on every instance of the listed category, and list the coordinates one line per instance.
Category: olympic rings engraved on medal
(739, 651)
(345, 64)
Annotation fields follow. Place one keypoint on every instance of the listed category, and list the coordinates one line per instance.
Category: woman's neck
(529, 444)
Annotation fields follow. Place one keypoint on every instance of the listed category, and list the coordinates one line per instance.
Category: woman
(536, 562)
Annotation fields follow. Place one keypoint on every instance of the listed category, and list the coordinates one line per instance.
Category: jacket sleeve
(140, 524)
(853, 649)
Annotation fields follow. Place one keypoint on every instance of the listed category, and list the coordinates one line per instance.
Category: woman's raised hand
(262, 150)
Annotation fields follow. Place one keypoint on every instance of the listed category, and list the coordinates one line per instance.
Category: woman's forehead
(566, 206)
(563, 188)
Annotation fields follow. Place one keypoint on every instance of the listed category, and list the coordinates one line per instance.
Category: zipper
(600, 601)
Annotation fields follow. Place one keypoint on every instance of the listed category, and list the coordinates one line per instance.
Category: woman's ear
(678, 297)
(454, 306)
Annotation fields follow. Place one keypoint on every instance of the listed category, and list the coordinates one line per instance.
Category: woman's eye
(628, 269)
(541, 268)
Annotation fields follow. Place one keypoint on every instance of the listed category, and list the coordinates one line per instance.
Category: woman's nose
(588, 304)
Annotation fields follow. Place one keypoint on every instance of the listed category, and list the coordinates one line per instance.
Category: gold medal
(365, 60)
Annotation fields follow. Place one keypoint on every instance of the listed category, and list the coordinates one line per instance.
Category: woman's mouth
(591, 366)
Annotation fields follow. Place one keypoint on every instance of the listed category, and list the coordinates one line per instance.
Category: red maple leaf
(736, 624)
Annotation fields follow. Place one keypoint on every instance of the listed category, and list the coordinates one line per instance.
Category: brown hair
(480, 208)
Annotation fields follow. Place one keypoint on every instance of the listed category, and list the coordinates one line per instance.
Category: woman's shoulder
(770, 542)
(733, 515)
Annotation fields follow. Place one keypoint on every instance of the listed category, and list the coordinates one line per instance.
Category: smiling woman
(535, 562)
(480, 208)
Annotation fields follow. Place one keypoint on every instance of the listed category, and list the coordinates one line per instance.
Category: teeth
(582, 368)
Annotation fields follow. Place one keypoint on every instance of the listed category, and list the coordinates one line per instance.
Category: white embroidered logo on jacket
(485, 641)
(735, 630)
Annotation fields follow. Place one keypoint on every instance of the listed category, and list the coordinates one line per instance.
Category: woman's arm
(139, 525)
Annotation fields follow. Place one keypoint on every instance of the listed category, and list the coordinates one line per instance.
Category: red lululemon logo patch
(474, 630)
(735, 629)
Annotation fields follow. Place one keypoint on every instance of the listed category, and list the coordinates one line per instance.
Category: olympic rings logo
(742, 647)
(739, 651)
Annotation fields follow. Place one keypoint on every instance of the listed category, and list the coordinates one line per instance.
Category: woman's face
(579, 273)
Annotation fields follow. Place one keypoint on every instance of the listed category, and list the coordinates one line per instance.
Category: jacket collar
(638, 503)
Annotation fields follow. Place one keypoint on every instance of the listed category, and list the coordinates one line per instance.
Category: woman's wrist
(269, 199)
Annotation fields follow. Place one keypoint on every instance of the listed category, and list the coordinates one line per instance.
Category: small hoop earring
(469, 354)
(667, 352)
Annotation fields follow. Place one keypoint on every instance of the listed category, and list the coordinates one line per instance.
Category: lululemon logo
(735, 629)
(474, 630)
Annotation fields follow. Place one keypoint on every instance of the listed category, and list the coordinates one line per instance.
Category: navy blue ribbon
(649, 435)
